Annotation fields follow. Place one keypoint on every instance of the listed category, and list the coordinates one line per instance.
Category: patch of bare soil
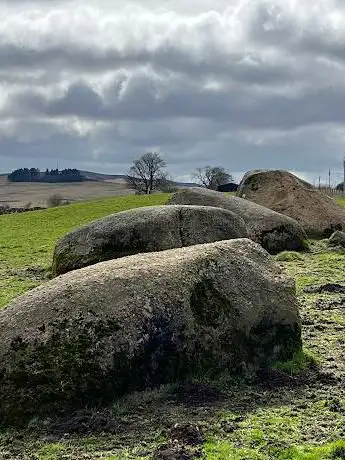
(176, 452)
(185, 441)
(193, 394)
(30, 273)
(85, 423)
(329, 287)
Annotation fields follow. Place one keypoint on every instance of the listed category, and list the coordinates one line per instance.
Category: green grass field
(298, 414)
(28, 239)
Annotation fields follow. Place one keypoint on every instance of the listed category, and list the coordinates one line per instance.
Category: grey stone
(274, 231)
(90, 335)
(337, 239)
(149, 229)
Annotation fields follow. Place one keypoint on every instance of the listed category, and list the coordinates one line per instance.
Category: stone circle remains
(151, 296)
(273, 231)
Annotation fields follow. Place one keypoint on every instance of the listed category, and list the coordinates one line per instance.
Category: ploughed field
(17, 194)
(296, 412)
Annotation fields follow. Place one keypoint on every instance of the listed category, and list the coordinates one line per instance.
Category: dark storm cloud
(140, 101)
(242, 67)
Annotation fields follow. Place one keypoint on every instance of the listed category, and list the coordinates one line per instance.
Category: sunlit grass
(28, 239)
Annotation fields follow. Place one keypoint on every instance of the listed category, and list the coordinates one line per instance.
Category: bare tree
(147, 173)
(166, 184)
(212, 177)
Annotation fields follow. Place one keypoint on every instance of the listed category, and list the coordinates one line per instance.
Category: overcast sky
(249, 84)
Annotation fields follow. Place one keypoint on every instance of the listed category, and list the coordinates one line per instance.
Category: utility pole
(329, 179)
(319, 182)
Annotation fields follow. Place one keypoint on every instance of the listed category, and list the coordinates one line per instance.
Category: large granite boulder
(90, 335)
(317, 213)
(148, 229)
(274, 231)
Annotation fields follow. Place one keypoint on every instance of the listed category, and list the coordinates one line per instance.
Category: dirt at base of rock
(171, 452)
(85, 422)
(190, 394)
(333, 288)
(185, 443)
(186, 434)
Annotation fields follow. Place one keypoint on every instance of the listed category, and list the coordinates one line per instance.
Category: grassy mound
(288, 256)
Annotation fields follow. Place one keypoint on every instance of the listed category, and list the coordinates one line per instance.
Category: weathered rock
(283, 192)
(275, 232)
(127, 324)
(337, 239)
(149, 229)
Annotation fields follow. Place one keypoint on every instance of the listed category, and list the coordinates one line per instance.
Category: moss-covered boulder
(337, 240)
(93, 334)
(317, 213)
(149, 229)
(273, 231)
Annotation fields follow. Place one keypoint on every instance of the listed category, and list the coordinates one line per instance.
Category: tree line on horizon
(49, 175)
(148, 175)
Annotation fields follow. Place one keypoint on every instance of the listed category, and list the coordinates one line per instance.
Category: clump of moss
(288, 256)
(301, 361)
